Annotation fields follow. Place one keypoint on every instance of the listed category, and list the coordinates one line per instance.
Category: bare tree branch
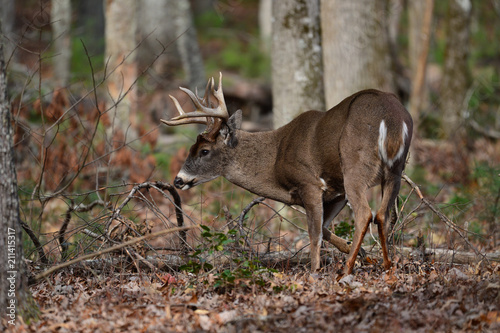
(111, 249)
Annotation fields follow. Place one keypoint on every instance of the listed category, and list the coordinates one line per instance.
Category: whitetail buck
(320, 160)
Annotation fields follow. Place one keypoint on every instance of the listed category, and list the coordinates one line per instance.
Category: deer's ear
(228, 132)
(234, 122)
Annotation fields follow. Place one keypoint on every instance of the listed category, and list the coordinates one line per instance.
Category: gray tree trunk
(7, 16)
(355, 48)
(60, 21)
(395, 10)
(156, 33)
(121, 26)
(187, 43)
(416, 45)
(297, 69)
(416, 11)
(456, 73)
(401, 80)
(15, 298)
(266, 23)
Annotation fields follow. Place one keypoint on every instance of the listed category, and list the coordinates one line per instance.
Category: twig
(245, 211)
(178, 210)
(441, 216)
(111, 249)
(489, 133)
(93, 234)
(117, 211)
(62, 231)
(72, 208)
(35, 241)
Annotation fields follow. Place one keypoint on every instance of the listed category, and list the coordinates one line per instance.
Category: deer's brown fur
(320, 161)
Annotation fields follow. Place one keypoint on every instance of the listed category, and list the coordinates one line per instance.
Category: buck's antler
(204, 113)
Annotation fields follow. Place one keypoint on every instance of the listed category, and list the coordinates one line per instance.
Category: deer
(320, 161)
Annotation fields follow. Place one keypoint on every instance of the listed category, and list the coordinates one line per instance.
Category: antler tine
(208, 89)
(181, 121)
(184, 121)
(219, 95)
(203, 114)
(203, 111)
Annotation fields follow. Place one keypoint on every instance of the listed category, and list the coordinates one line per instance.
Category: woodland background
(88, 82)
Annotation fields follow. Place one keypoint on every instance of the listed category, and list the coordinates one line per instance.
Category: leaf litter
(412, 297)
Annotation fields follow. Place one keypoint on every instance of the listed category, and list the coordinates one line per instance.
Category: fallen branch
(450, 256)
(269, 259)
(436, 255)
(149, 263)
(111, 249)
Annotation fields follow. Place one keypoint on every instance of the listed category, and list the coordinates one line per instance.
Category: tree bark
(355, 48)
(121, 26)
(15, 298)
(156, 33)
(266, 24)
(60, 21)
(420, 19)
(402, 83)
(187, 43)
(7, 17)
(456, 73)
(297, 69)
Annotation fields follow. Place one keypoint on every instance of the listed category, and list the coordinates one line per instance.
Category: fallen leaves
(404, 299)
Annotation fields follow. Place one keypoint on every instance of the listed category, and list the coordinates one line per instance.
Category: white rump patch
(382, 138)
(324, 187)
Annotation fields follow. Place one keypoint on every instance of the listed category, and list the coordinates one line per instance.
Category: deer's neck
(250, 165)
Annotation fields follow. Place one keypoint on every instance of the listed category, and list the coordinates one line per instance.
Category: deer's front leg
(313, 204)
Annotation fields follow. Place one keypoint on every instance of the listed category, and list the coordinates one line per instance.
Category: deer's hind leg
(330, 211)
(356, 194)
(390, 189)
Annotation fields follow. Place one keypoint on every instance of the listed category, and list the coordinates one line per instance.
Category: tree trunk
(420, 21)
(15, 299)
(456, 74)
(355, 48)
(402, 83)
(265, 24)
(121, 26)
(60, 18)
(297, 70)
(7, 17)
(187, 43)
(156, 31)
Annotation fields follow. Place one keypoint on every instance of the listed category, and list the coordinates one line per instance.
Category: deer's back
(316, 143)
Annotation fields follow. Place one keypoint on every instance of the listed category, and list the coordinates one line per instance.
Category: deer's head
(208, 157)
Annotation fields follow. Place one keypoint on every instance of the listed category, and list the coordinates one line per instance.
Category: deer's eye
(204, 152)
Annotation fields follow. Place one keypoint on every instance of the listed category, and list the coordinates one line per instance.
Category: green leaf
(206, 234)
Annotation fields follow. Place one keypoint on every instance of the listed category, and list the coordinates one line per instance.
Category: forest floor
(412, 297)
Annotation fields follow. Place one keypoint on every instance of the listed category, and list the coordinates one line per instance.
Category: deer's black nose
(178, 182)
